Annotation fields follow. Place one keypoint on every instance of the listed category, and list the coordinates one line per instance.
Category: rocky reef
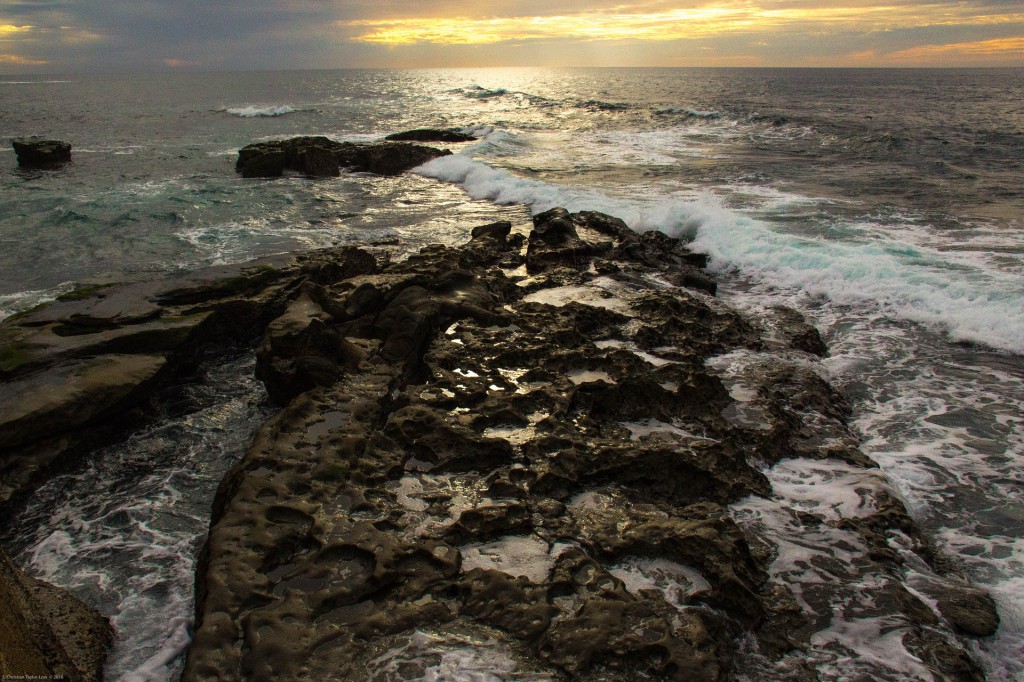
(527, 456)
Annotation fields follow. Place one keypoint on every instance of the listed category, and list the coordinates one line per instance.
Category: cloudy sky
(63, 36)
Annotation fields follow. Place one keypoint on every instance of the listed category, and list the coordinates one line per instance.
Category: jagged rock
(34, 152)
(555, 242)
(46, 632)
(800, 334)
(570, 422)
(323, 157)
(970, 610)
(431, 135)
(465, 451)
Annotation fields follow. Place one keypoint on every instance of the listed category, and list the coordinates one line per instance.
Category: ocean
(886, 205)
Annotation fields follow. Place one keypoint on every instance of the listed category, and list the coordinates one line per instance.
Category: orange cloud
(996, 49)
(10, 30)
(671, 24)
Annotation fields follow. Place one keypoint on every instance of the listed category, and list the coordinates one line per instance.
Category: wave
(479, 130)
(598, 105)
(688, 113)
(20, 301)
(259, 111)
(480, 92)
(969, 301)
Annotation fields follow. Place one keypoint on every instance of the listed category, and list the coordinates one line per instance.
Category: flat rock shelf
(547, 454)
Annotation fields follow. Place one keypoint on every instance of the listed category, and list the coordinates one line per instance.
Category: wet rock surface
(431, 135)
(323, 157)
(540, 456)
(75, 370)
(46, 633)
(35, 153)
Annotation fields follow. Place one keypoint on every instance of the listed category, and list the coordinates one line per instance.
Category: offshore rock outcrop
(431, 135)
(324, 157)
(522, 455)
(37, 153)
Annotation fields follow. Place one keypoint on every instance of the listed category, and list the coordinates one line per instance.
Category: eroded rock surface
(79, 368)
(45, 633)
(524, 456)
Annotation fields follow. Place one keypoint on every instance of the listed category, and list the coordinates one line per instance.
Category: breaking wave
(970, 301)
(261, 111)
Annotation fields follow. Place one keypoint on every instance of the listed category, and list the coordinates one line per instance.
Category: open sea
(887, 205)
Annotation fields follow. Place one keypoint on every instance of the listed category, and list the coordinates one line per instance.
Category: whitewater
(885, 212)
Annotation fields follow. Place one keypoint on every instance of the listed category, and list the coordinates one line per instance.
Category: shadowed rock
(468, 452)
(323, 157)
(431, 135)
(37, 153)
(46, 633)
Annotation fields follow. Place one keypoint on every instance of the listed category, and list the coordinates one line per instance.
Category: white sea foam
(234, 242)
(255, 111)
(19, 301)
(122, 534)
(955, 292)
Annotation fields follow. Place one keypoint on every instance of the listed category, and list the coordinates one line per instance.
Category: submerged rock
(34, 152)
(970, 610)
(323, 157)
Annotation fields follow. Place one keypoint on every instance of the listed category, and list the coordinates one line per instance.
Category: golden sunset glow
(981, 50)
(7, 30)
(676, 24)
(22, 61)
(442, 33)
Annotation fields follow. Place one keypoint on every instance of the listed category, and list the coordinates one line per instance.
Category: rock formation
(323, 157)
(520, 454)
(431, 135)
(34, 152)
(45, 633)
(492, 451)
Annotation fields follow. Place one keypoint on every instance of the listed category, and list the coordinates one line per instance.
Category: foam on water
(234, 241)
(451, 656)
(517, 555)
(923, 284)
(124, 532)
(257, 110)
(11, 304)
(676, 582)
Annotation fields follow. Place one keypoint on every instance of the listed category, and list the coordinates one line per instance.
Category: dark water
(886, 204)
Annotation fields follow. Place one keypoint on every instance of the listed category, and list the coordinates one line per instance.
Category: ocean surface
(887, 205)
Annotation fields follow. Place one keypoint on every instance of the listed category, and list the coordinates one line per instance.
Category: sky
(70, 36)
